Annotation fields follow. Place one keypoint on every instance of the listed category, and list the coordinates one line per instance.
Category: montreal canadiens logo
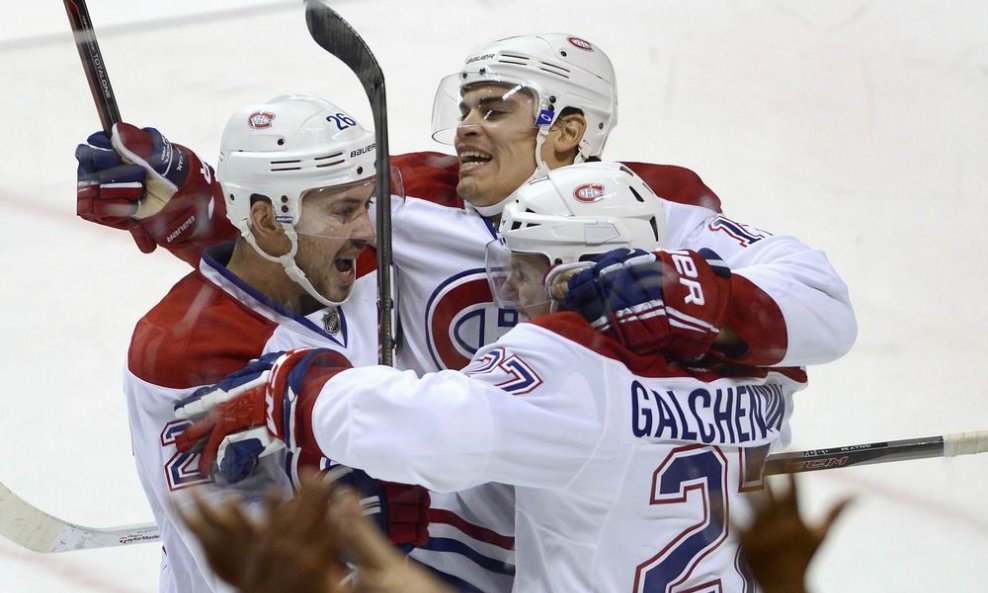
(260, 120)
(589, 192)
(461, 317)
(580, 43)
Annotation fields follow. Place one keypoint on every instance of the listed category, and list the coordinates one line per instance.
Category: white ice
(859, 126)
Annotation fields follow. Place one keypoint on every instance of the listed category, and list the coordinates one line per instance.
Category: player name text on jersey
(734, 415)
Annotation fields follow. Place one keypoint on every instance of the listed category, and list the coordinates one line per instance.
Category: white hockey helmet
(280, 150)
(560, 70)
(572, 214)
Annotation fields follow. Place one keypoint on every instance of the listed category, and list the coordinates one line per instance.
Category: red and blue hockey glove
(401, 510)
(251, 413)
(668, 301)
(263, 408)
(238, 391)
(161, 192)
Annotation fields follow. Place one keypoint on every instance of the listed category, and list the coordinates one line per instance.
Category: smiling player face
(495, 141)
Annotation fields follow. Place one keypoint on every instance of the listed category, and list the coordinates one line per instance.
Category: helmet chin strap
(294, 272)
(493, 209)
(541, 169)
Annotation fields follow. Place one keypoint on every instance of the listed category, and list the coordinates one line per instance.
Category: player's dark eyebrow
(488, 101)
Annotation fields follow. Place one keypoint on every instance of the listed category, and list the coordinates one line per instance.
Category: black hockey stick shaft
(92, 63)
(837, 457)
(337, 37)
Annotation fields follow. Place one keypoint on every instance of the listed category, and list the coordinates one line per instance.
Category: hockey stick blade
(950, 445)
(92, 63)
(335, 35)
(34, 529)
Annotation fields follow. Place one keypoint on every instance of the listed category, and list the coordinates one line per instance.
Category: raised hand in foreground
(778, 544)
(295, 548)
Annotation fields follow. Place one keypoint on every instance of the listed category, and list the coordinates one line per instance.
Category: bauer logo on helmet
(479, 58)
(359, 151)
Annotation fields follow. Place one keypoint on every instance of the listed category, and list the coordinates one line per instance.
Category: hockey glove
(264, 407)
(251, 413)
(401, 510)
(668, 301)
(161, 192)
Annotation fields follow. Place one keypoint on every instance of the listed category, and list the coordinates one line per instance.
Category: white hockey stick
(34, 529)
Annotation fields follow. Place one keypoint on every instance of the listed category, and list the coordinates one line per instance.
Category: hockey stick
(92, 63)
(337, 37)
(948, 445)
(32, 528)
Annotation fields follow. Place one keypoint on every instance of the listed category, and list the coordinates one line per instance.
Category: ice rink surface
(859, 126)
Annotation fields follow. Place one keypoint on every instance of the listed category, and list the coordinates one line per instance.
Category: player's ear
(564, 139)
(267, 231)
(262, 218)
(571, 129)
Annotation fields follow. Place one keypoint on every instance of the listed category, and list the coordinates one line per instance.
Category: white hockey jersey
(621, 464)
(790, 307)
(789, 304)
(210, 324)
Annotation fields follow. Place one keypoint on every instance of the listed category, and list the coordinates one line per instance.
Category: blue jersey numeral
(690, 473)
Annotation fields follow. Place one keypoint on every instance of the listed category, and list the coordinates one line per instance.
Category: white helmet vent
(547, 67)
(338, 156)
(280, 165)
(555, 70)
(521, 224)
(509, 58)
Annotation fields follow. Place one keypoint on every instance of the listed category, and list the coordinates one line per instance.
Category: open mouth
(474, 157)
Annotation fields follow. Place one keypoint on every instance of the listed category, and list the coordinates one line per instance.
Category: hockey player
(519, 107)
(303, 227)
(618, 460)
